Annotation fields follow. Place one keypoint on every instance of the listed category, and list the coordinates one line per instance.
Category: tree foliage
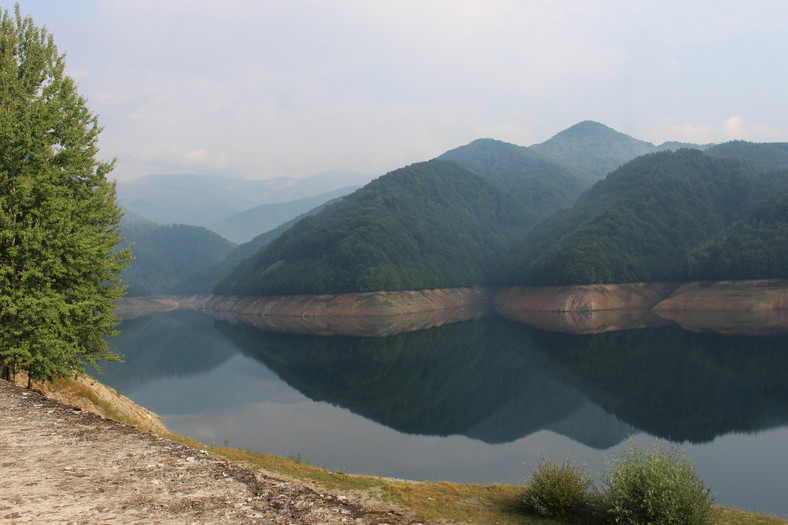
(59, 224)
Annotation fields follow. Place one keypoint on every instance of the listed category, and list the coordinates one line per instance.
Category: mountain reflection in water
(498, 381)
(493, 381)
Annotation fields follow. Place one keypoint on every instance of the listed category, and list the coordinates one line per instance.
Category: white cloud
(732, 128)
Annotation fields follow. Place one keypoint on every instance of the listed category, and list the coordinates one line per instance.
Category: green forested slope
(166, 254)
(593, 149)
(638, 223)
(543, 185)
(429, 225)
(764, 156)
(754, 248)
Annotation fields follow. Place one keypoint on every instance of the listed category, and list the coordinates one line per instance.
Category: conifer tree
(59, 221)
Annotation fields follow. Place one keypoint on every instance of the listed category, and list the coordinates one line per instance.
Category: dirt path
(59, 464)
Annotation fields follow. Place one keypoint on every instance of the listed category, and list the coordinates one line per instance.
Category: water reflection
(503, 392)
(498, 381)
(468, 378)
(674, 384)
(164, 345)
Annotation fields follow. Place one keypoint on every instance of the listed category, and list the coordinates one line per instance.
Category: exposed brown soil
(740, 296)
(587, 298)
(60, 464)
(363, 314)
(729, 307)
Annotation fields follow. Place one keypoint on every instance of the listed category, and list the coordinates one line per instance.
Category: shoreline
(220, 482)
(755, 306)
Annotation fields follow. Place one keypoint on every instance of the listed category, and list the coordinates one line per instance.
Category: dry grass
(437, 502)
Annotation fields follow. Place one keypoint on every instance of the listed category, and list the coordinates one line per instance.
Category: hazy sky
(259, 89)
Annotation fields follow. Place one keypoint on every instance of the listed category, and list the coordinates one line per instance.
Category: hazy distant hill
(543, 185)
(429, 225)
(595, 149)
(638, 223)
(166, 254)
(248, 224)
(203, 200)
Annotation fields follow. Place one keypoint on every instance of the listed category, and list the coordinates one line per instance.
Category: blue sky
(258, 89)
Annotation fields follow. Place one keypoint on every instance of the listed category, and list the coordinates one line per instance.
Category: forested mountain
(248, 224)
(764, 156)
(167, 254)
(204, 280)
(468, 218)
(594, 149)
(638, 223)
(543, 185)
(755, 248)
(429, 225)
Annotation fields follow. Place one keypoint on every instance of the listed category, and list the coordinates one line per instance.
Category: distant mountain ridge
(203, 200)
(248, 224)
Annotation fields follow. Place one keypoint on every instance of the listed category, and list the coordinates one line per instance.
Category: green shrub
(657, 485)
(562, 491)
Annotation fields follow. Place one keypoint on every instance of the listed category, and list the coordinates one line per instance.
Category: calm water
(470, 401)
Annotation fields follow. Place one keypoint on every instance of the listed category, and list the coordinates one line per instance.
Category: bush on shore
(561, 491)
(655, 485)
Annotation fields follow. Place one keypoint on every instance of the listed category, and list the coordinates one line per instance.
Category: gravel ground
(60, 464)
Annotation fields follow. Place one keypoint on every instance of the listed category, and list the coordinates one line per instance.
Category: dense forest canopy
(541, 184)
(168, 254)
(428, 225)
(638, 223)
(754, 248)
(763, 156)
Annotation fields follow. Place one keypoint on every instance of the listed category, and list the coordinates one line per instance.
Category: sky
(256, 89)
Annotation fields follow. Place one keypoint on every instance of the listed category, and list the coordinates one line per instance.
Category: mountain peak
(593, 148)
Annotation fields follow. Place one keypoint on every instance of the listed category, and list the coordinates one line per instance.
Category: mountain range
(496, 213)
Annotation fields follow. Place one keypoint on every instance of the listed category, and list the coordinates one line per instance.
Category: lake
(471, 401)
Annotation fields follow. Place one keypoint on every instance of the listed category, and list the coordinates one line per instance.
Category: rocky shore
(61, 464)
(762, 305)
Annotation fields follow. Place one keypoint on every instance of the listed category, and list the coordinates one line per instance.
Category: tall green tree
(59, 221)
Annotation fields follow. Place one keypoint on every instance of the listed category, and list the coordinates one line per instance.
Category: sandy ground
(60, 464)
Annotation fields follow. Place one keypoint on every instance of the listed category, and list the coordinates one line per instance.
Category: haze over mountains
(203, 200)
(485, 213)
